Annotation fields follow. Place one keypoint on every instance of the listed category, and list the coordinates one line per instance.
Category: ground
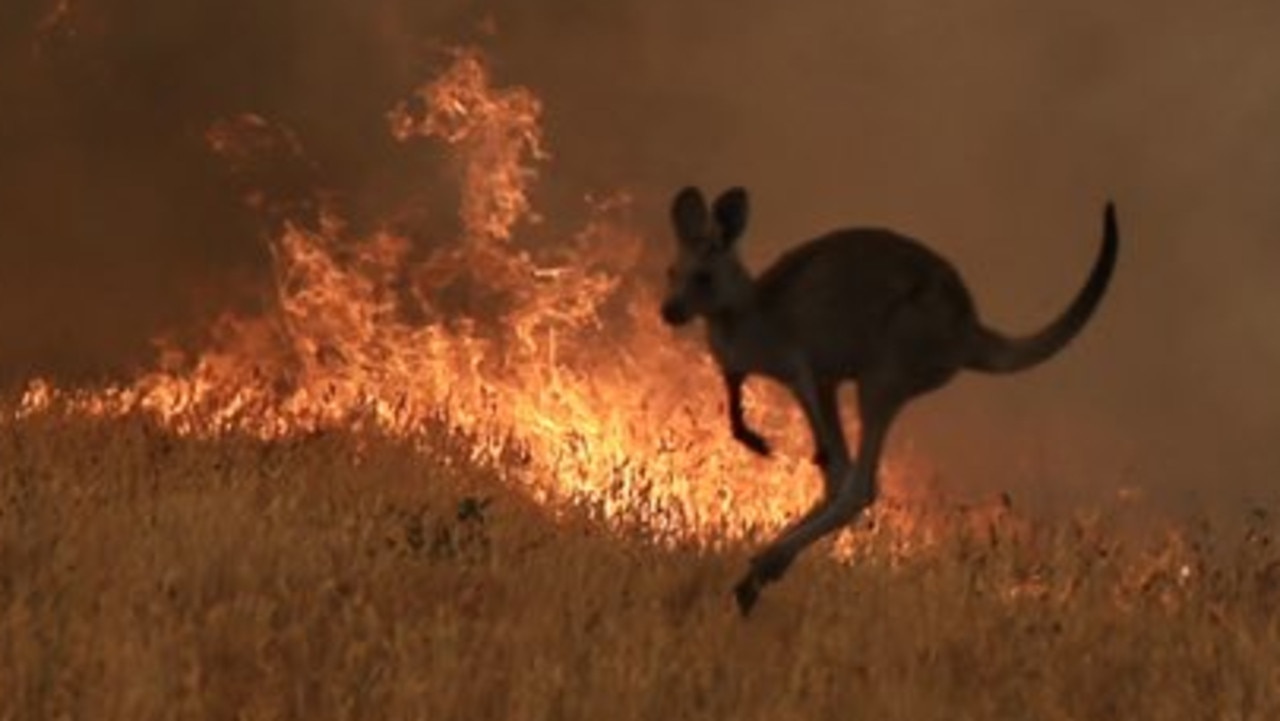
(144, 576)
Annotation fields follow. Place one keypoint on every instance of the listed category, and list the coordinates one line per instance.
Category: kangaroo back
(994, 352)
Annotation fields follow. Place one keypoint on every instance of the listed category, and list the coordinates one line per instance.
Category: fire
(553, 365)
(498, 133)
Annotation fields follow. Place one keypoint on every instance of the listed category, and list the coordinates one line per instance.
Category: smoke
(993, 130)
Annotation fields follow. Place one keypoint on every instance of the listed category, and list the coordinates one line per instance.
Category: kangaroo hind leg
(854, 490)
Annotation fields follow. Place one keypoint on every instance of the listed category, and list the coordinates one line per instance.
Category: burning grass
(476, 480)
(146, 575)
(528, 342)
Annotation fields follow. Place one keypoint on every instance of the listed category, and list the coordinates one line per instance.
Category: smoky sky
(993, 130)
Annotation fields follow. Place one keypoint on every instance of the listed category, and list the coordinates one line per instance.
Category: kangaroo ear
(689, 216)
(731, 213)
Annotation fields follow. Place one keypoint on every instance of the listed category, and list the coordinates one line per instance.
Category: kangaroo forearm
(743, 433)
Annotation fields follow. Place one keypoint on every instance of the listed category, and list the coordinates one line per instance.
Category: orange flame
(610, 410)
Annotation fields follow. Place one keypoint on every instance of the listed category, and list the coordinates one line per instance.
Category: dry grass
(143, 577)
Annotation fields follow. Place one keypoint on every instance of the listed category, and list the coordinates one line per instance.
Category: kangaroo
(863, 304)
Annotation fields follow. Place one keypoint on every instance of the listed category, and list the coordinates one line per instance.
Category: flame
(549, 362)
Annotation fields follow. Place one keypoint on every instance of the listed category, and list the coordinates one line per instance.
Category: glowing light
(617, 414)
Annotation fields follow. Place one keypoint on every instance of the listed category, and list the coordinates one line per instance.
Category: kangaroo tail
(995, 353)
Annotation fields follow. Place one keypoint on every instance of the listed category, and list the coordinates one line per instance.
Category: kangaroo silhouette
(860, 304)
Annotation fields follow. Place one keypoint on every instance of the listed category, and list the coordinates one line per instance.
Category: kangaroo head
(707, 277)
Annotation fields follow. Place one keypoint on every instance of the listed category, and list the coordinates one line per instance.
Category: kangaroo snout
(675, 312)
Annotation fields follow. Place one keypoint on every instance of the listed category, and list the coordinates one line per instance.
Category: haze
(993, 130)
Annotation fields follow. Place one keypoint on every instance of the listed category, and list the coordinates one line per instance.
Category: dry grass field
(431, 250)
(332, 577)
